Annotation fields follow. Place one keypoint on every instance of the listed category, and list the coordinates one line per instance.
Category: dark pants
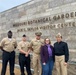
(47, 69)
(8, 57)
(24, 61)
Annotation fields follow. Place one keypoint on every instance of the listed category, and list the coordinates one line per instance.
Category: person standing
(61, 55)
(24, 56)
(36, 45)
(47, 57)
(8, 45)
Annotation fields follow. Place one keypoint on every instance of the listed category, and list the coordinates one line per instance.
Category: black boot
(22, 73)
(12, 74)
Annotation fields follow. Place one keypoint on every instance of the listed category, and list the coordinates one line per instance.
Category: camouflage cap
(59, 35)
(38, 33)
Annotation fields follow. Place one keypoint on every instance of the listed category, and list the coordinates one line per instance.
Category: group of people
(44, 55)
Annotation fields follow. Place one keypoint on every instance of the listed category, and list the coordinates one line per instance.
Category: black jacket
(61, 49)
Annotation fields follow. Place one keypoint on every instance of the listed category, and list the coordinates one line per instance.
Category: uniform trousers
(8, 57)
(24, 61)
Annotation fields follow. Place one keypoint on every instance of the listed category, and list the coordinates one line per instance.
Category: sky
(7, 4)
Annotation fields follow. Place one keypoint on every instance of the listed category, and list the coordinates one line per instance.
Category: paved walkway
(17, 71)
(71, 70)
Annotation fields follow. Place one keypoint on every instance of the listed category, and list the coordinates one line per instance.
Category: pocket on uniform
(23, 46)
(13, 43)
(35, 43)
(6, 43)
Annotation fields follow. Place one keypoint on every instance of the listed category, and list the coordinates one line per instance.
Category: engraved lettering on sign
(46, 19)
(67, 15)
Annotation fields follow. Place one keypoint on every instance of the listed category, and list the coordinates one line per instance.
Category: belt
(59, 55)
(8, 52)
(22, 54)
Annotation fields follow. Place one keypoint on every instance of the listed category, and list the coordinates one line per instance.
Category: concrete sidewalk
(71, 70)
(17, 71)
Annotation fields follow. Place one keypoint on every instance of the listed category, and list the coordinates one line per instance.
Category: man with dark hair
(24, 56)
(8, 45)
(61, 55)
